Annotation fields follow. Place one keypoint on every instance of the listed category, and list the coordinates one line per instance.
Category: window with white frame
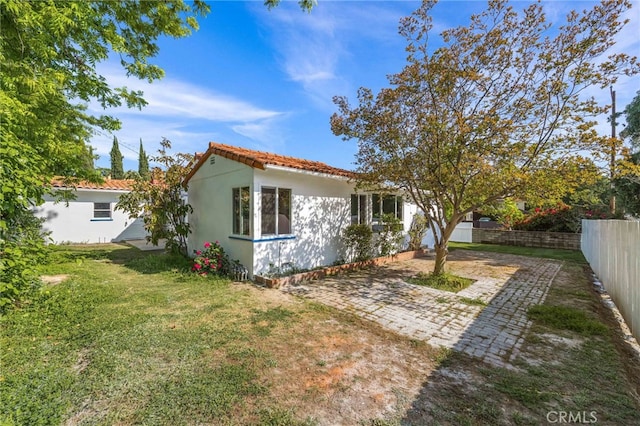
(102, 210)
(276, 211)
(358, 209)
(370, 208)
(241, 211)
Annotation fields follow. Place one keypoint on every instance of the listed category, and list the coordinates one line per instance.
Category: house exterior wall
(210, 195)
(320, 210)
(75, 223)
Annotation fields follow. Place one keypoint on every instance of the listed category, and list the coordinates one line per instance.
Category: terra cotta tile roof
(260, 159)
(108, 184)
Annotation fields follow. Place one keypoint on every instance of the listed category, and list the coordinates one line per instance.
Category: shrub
(211, 260)
(357, 239)
(554, 219)
(390, 237)
(22, 250)
(417, 230)
(561, 218)
(509, 214)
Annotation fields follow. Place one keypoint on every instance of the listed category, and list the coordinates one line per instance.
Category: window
(380, 205)
(392, 204)
(385, 204)
(241, 211)
(102, 210)
(376, 214)
(358, 209)
(276, 211)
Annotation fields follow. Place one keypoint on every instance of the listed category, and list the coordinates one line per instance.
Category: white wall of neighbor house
(210, 195)
(320, 210)
(85, 219)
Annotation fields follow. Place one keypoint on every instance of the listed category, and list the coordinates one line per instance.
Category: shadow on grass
(144, 262)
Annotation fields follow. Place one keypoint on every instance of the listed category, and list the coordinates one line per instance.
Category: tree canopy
(161, 201)
(632, 115)
(498, 111)
(49, 52)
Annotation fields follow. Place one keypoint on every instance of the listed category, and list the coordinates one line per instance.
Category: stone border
(555, 240)
(319, 274)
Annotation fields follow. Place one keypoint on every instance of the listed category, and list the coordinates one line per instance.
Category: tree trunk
(441, 258)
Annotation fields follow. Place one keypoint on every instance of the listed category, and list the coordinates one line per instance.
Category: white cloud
(313, 48)
(188, 115)
(174, 98)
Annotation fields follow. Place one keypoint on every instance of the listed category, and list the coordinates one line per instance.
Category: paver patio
(494, 333)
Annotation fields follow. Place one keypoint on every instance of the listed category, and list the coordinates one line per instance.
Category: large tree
(49, 51)
(627, 182)
(497, 111)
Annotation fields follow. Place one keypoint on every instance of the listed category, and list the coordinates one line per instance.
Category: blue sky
(264, 79)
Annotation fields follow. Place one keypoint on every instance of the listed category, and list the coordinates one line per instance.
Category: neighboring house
(267, 210)
(90, 217)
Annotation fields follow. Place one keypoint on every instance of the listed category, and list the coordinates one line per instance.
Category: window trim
(276, 212)
(96, 209)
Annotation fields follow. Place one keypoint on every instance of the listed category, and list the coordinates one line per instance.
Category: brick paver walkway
(493, 333)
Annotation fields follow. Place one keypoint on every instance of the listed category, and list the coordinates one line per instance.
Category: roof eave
(344, 177)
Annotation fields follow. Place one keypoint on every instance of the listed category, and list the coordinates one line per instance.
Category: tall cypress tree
(143, 163)
(117, 171)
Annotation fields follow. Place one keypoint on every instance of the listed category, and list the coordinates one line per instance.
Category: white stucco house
(91, 217)
(268, 210)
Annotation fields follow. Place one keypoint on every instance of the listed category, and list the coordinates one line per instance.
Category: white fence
(612, 248)
(462, 233)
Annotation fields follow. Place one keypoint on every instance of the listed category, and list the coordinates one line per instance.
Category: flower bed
(318, 274)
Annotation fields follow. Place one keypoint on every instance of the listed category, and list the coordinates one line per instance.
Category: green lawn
(134, 338)
(558, 254)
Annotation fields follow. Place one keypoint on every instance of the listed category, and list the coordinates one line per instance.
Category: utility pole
(612, 158)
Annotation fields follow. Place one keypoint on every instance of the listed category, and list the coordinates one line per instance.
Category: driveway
(508, 284)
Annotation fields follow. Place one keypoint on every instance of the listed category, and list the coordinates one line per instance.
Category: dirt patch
(54, 279)
(350, 374)
(344, 370)
(465, 263)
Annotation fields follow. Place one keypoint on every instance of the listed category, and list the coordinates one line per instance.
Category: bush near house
(390, 237)
(211, 260)
(358, 242)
